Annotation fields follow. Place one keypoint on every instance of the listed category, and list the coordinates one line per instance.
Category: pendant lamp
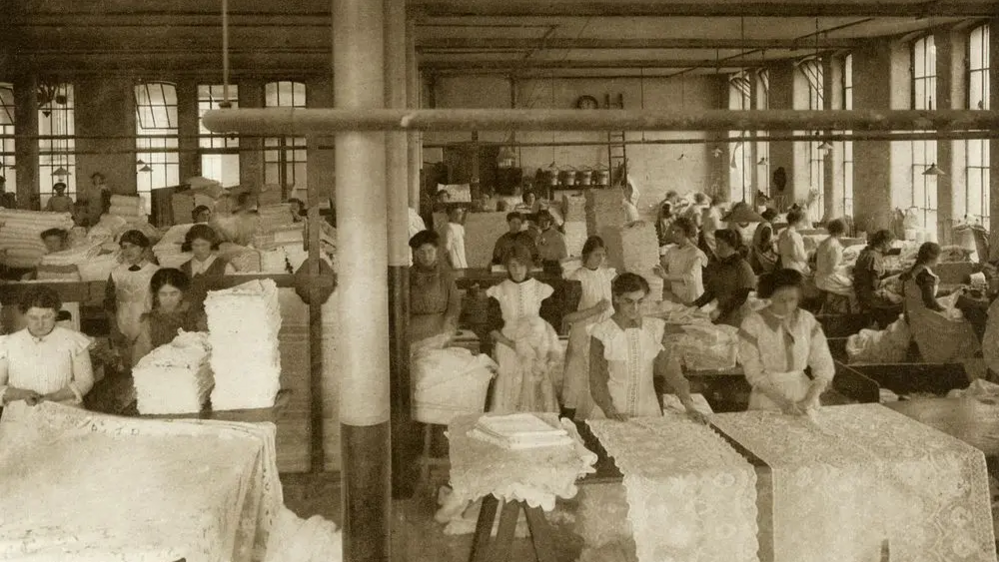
(933, 170)
(60, 172)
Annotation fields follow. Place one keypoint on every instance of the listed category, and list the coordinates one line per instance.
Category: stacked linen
(175, 378)
(603, 209)
(168, 250)
(285, 235)
(519, 431)
(635, 248)
(243, 325)
(21, 245)
(62, 266)
(130, 208)
(575, 223)
(242, 258)
(274, 217)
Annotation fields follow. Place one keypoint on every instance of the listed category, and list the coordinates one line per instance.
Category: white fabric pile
(575, 223)
(100, 267)
(294, 539)
(21, 245)
(273, 217)
(131, 208)
(243, 326)
(880, 346)
(636, 248)
(63, 266)
(243, 259)
(175, 378)
(520, 431)
(448, 381)
(705, 347)
(168, 250)
(603, 209)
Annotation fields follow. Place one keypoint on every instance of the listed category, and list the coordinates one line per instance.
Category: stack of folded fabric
(21, 245)
(635, 249)
(575, 223)
(603, 209)
(278, 237)
(100, 267)
(243, 259)
(519, 431)
(243, 326)
(168, 250)
(175, 378)
(274, 217)
(62, 266)
(130, 208)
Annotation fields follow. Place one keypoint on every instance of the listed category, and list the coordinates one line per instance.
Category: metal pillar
(405, 436)
(413, 94)
(358, 59)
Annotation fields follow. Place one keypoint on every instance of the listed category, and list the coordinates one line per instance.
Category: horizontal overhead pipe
(294, 121)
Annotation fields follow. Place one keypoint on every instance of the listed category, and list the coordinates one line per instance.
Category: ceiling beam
(516, 65)
(631, 44)
(775, 9)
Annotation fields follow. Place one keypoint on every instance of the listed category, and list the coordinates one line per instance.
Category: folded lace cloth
(175, 378)
(690, 495)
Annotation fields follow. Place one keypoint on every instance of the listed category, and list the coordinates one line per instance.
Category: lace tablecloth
(691, 497)
(536, 476)
(855, 479)
(87, 487)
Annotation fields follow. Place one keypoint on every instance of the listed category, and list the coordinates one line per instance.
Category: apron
(793, 384)
(133, 298)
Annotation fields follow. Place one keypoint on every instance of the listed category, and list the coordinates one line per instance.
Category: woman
(172, 311)
(434, 301)
(515, 307)
(626, 353)
(778, 343)
(942, 334)
(664, 223)
(297, 209)
(126, 296)
(830, 273)
(682, 267)
(594, 307)
(763, 254)
(791, 246)
(728, 280)
(711, 222)
(205, 269)
(454, 239)
(630, 202)
(551, 244)
(44, 361)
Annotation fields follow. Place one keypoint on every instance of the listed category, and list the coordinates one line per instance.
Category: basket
(441, 403)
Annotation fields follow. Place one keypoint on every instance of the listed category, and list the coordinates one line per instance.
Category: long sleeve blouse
(770, 345)
(434, 301)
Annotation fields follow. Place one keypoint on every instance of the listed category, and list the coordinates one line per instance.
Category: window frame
(283, 155)
(814, 74)
(847, 146)
(924, 152)
(57, 141)
(157, 147)
(741, 163)
(215, 148)
(8, 128)
(978, 151)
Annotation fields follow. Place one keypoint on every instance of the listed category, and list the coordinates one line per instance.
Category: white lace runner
(854, 479)
(87, 487)
(691, 496)
(536, 476)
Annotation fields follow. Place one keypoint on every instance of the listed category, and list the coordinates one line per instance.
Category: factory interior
(488, 280)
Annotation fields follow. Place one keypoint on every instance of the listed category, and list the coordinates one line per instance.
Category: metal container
(584, 177)
(601, 177)
(566, 178)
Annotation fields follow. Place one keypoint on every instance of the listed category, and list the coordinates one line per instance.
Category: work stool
(427, 460)
(486, 548)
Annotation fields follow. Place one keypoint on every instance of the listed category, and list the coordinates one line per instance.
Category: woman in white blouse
(790, 244)
(778, 343)
(682, 267)
(44, 361)
(830, 273)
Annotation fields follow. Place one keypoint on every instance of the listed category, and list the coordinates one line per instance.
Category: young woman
(205, 269)
(127, 295)
(664, 223)
(626, 353)
(778, 343)
(942, 334)
(515, 309)
(551, 244)
(434, 301)
(763, 254)
(729, 280)
(682, 267)
(172, 312)
(44, 361)
(791, 246)
(454, 239)
(830, 275)
(594, 307)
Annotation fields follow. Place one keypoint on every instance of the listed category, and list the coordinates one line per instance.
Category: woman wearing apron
(127, 295)
(594, 307)
(778, 343)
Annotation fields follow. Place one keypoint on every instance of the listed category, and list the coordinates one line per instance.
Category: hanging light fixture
(717, 152)
(683, 92)
(146, 168)
(763, 161)
(826, 146)
(140, 162)
(933, 170)
(60, 172)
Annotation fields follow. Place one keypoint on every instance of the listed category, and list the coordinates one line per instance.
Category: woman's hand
(618, 417)
(792, 408)
(500, 338)
(603, 306)
(658, 270)
(697, 416)
(30, 397)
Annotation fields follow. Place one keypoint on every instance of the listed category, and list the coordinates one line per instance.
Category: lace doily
(691, 496)
(134, 490)
(852, 478)
(536, 476)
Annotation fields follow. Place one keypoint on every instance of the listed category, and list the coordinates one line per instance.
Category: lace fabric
(535, 476)
(134, 490)
(852, 477)
(691, 496)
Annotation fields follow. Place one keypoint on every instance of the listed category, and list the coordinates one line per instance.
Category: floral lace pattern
(691, 496)
(849, 479)
(536, 476)
(202, 490)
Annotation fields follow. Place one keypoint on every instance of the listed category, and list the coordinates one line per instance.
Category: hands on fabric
(30, 397)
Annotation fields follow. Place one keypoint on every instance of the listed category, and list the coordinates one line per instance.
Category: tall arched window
(741, 166)
(157, 138)
(285, 157)
(924, 152)
(847, 146)
(815, 77)
(219, 151)
(57, 142)
(979, 160)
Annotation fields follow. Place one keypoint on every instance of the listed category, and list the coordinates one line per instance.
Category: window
(924, 152)
(7, 170)
(56, 143)
(978, 149)
(158, 163)
(847, 146)
(285, 157)
(762, 146)
(741, 163)
(219, 152)
(814, 75)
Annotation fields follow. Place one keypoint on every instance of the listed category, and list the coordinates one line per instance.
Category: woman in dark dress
(205, 269)
(434, 301)
(172, 311)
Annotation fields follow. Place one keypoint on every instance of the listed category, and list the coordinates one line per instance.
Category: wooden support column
(951, 93)
(187, 123)
(413, 87)
(26, 148)
(251, 156)
(405, 433)
(782, 152)
(832, 172)
(359, 83)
